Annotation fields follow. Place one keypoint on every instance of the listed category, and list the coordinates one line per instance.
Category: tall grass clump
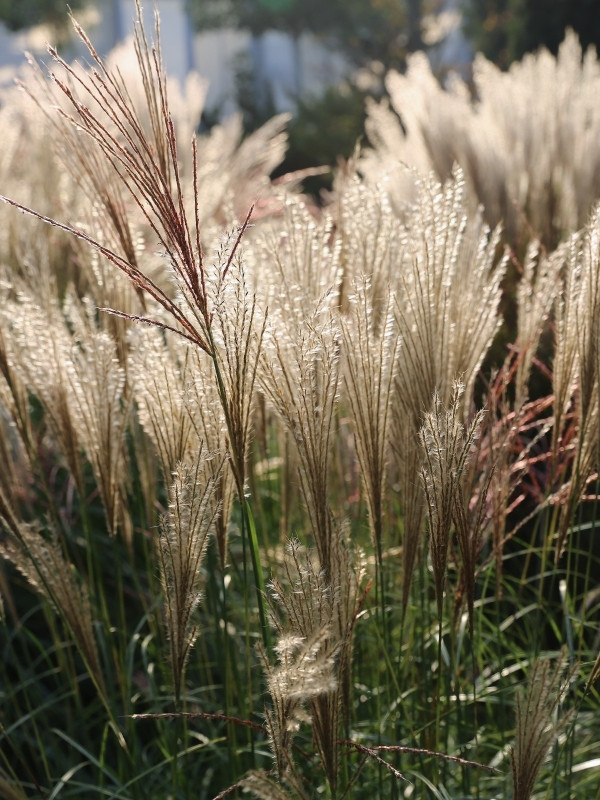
(276, 518)
(513, 133)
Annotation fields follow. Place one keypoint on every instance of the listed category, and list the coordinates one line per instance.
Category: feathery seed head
(537, 727)
(447, 446)
(184, 535)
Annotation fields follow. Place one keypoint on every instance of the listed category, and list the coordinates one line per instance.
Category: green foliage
(24, 13)
(341, 112)
(504, 30)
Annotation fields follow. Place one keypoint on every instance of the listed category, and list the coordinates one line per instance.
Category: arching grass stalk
(448, 449)
(238, 463)
(371, 342)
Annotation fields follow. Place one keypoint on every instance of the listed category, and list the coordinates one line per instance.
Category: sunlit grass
(267, 526)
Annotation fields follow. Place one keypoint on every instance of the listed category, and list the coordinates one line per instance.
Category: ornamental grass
(289, 506)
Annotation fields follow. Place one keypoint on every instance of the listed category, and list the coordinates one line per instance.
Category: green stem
(227, 685)
(259, 580)
(238, 461)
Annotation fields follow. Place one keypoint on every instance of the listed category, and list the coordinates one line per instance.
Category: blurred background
(316, 59)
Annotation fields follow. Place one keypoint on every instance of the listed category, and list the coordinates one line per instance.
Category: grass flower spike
(537, 726)
(184, 537)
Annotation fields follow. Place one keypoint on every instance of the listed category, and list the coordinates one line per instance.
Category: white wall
(290, 69)
(215, 54)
